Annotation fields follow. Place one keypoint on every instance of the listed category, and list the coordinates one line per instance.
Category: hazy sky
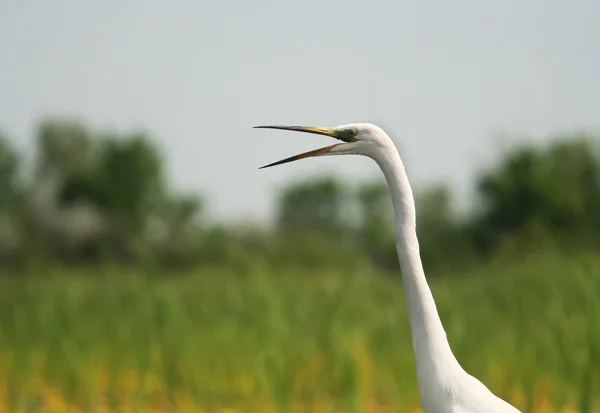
(443, 78)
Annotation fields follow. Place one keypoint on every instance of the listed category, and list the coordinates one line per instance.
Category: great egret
(444, 386)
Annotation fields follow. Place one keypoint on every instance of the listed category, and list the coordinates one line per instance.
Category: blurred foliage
(258, 340)
(295, 315)
(94, 197)
(9, 169)
(541, 195)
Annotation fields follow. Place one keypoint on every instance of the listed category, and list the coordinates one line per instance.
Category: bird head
(356, 139)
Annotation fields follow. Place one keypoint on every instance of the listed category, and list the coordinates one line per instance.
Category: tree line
(90, 197)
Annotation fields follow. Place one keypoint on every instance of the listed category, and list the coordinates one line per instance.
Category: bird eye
(353, 132)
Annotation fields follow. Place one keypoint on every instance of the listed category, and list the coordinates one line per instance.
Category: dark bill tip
(316, 152)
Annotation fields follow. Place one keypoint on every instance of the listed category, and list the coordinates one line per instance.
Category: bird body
(444, 386)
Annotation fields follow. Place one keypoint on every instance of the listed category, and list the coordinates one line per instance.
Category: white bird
(444, 386)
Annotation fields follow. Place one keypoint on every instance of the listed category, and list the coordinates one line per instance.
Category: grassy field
(294, 342)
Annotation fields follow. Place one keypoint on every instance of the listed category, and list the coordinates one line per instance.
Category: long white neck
(436, 365)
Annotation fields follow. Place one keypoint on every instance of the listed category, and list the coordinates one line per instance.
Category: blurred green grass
(530, 331)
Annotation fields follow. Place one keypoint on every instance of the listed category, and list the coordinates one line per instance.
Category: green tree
(65, 148)
(10, 187)
(316, 204)
(179, 223)
(442, 237)
(11, 201)
(112, 182)
(315, 226)
(130, 177)
(537, 194)
(376, 231)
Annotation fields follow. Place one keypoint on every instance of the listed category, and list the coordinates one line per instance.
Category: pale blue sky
(443, 78)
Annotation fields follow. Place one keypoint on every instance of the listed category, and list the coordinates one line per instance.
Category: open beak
(309, 129)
